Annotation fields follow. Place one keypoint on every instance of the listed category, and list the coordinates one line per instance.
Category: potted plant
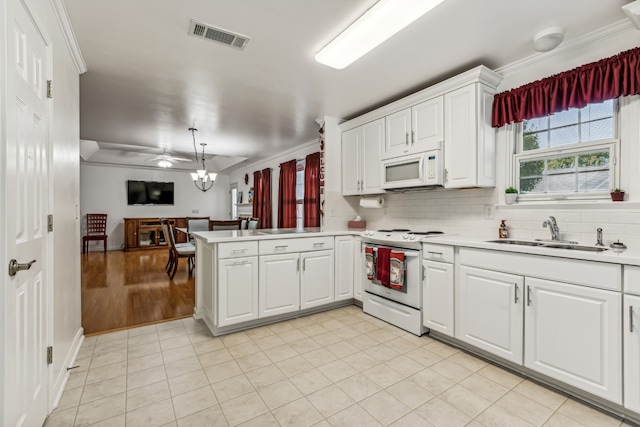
(617, 195)
(510, 195)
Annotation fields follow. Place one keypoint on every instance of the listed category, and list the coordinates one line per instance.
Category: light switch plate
(488, 212)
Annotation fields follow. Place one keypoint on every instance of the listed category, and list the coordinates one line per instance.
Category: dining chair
(253, 223)
(96, 230)
(187, 251)
(232, 224)
(197, 225)
(174, 247)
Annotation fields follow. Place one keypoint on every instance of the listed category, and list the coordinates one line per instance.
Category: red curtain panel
(287, 195)
(257, 194)
(312, 190)
(599, 81)
(265, 216)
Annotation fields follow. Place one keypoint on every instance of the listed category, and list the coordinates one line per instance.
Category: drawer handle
(528, 295)
(515, 294)
(241, 263)
(631, 318)
(315, 245)
(235, 251)
(435, 253)
(281, 247)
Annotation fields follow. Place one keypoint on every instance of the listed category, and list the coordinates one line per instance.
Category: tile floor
(338, 368)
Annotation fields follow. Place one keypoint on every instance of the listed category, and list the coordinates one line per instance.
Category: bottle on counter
(503, 231)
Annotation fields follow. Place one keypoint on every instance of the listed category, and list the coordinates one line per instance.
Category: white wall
(463, 211)
(103, 189)
(237, 176)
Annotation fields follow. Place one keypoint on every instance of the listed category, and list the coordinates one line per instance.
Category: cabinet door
(317, 281)
(344, 267)
(489, 311)
(572, 334)
(460, 137)
(437, 295)
(131, 233)
(279, 284)
(631, 316)
(350, 162)
(397, 141)
(237, 290)
(359, 275)
(427, 125)
(370, 167)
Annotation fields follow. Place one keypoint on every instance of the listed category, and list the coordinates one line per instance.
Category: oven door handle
(407, 254)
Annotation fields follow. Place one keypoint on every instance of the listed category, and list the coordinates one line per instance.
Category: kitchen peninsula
(246, 278)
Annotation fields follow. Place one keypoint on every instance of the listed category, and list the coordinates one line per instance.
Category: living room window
(568, 155)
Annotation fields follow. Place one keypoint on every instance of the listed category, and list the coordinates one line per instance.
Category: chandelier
(202, 179)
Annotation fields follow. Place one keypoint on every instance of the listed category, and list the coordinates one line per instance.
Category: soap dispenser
(503, 232)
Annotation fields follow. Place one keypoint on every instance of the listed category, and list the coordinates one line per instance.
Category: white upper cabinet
(414, 130)
(469, 139)
(361, 159)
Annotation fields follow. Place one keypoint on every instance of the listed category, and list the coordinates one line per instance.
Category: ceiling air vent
(204, 31)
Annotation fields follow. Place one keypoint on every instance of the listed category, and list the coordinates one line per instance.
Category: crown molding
(60, 11)
(292, 150)
(583, 42)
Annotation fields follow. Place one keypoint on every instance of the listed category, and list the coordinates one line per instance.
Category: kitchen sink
(551, 245)
(517, 242)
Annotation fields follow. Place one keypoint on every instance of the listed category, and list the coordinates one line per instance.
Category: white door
(344, 267)
(350, 162)
(316, 281)
(398, 140)
(279, 284)
(372, 137)
(26, 298)
(237, 290)
(427, 125)
(572, 334)
(460, 136)
(489, 311)
(437, 297)
(631, 316)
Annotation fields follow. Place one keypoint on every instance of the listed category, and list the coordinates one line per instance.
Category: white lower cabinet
(489, 311)
(344, 266)
(359, 273)
(572, 334)
(631, 316)
(279, 284)
(237, 290)
(437, 297)
(316, 280)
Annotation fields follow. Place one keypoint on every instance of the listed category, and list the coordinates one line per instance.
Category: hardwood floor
(126, 289)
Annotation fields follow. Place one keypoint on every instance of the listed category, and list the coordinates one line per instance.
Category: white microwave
(416, 170)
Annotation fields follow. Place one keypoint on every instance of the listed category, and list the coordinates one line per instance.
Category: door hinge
(50, 222)
(49, 88)
(49, 355)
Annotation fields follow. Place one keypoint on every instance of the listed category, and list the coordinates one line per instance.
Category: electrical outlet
(488, 212)
(332, 212)
(195, 211)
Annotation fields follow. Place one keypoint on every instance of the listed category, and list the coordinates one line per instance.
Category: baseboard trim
(63, 376)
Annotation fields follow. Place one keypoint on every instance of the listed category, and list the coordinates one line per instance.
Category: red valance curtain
(596, 82)
(257, 194)
(265, 216)
(287, 195)
(312, 190)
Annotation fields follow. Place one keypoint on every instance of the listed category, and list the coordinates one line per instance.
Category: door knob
(15, 266)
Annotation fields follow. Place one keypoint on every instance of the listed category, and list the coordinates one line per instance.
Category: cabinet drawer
(237, 249)
(632, 279)
(283, 246)
(440, 253)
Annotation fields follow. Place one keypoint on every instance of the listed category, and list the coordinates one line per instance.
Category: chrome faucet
(553, 227)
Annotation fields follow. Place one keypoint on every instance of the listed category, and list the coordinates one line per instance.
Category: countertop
(270, 233)
(629, 256)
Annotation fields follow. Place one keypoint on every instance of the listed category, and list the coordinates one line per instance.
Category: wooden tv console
(146, 233)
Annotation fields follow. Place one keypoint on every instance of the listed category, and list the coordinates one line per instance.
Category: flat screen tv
(149, 193)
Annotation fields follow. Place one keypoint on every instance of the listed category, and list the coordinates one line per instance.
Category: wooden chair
(96, 230)
(232, 224)
(177, 251)
(197, 225)
(253, 223)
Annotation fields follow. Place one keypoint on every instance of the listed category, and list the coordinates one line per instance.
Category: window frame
(609, 144)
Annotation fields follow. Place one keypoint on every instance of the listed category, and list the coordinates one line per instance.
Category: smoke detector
(633, 12)
(218, 35)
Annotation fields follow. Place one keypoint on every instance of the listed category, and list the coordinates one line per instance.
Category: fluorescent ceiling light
(382, 21)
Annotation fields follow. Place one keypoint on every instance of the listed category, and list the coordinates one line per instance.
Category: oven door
(411, 293)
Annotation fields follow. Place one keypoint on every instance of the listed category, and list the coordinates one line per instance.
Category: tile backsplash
(465, 212)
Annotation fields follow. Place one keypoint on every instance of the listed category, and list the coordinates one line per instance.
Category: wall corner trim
(69, 36)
